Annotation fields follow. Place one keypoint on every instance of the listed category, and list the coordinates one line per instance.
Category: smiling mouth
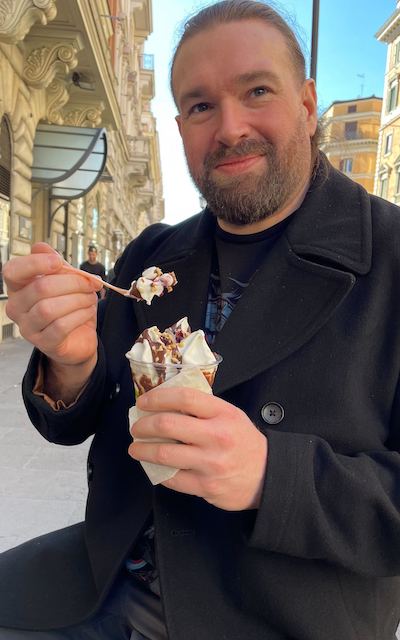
(238, 163)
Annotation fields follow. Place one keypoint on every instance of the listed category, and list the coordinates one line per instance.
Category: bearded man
(283, 520)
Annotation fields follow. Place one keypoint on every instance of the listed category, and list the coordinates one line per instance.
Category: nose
(232, 124)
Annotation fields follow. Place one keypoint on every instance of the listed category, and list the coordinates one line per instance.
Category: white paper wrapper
(190, 377)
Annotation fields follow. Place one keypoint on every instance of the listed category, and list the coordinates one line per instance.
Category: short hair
(234, 10)
(92, 247)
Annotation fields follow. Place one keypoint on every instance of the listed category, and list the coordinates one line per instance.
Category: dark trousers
(131, 612)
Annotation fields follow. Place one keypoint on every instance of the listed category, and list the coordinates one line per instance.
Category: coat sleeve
(68, 426)
(320, 505)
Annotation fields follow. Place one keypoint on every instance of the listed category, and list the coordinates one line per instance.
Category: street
(42, 485)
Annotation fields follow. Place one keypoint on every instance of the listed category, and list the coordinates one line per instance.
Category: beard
(252, 197)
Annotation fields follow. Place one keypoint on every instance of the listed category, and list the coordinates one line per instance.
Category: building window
(352, 108)
(388, 143)
(392, 97)
(350, 130)
(397, 53)
(383, 189)
(346, 165)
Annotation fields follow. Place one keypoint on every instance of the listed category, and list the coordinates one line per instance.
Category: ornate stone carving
(43, 63)
(18, 16)
(57, 97)
(84, 116)
(138, 176)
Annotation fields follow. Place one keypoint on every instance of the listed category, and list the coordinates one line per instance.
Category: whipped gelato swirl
(158, 355)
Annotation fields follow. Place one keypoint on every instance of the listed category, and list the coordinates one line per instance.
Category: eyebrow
(241, 79)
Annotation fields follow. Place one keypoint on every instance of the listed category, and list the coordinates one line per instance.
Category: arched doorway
(5, 194)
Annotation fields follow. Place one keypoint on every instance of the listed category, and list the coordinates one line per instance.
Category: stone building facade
(350, 137)
(387, 179)
(79, 63)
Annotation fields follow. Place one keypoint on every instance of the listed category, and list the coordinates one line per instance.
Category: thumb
(43, 247)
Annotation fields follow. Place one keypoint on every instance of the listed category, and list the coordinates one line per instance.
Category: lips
(237, 164)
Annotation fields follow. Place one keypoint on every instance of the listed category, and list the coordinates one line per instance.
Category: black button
(272, 413)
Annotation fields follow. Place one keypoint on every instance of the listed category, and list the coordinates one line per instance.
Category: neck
(254, 227)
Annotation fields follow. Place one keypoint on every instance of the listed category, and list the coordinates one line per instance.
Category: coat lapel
(307, 274)
(285, 304)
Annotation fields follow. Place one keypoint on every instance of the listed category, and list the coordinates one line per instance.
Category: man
(91, 265)
(283, 519)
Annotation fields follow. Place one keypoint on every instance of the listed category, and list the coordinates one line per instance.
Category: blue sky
(347, 50)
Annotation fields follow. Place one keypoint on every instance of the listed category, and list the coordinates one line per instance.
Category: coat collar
(334, 221)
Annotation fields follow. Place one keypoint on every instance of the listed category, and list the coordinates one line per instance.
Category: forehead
(229, 50)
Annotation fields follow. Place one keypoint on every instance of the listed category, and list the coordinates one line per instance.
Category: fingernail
(54, 261)
(142, 401)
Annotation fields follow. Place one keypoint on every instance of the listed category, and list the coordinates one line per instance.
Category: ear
(178, 121)
(310, 104)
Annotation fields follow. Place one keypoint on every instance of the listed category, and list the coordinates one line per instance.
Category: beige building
(79, 154)
(387, 179)
(350, 137)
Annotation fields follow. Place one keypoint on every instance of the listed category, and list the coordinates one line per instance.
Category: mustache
(245, 148)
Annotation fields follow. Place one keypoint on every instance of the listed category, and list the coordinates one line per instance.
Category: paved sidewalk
(42, 485)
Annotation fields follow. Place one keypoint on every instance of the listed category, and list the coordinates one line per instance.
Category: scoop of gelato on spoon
(153, 282)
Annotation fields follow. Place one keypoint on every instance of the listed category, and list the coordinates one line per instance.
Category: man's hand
(55, 311)
(221, 455)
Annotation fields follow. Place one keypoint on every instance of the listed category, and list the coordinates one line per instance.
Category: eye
(259, 91)
(200, 107)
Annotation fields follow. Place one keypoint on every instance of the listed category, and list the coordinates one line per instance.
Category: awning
(69, 160)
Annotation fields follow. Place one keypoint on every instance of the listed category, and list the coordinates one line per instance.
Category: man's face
(245, 119)
(92, 253)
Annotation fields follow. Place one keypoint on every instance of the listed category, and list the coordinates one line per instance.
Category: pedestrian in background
(92, 265)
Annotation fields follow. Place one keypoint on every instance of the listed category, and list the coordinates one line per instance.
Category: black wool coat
(317, 332)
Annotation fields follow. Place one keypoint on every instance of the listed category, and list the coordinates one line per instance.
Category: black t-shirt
(236, 260)
(96, 269)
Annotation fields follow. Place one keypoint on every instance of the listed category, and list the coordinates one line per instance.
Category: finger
(43, 247)
(46, 311)
(185, 400)
(53, 287)
(179, 456)
(187, 481)
(53, 340)
(21, 270)
(173, 426)
(45, 288)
